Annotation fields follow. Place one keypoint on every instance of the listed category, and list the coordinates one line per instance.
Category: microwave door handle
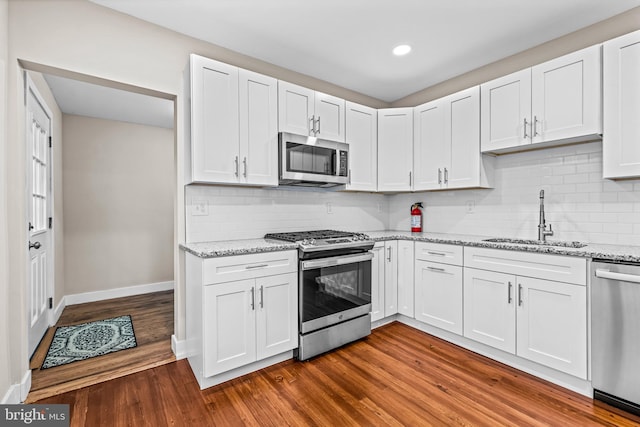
(338, 260)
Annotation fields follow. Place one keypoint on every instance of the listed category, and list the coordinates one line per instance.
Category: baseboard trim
(118, 293)
(17, 393)
(57, 312)
(179, 347)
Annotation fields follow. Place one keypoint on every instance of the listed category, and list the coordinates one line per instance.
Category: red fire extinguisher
(416, 218)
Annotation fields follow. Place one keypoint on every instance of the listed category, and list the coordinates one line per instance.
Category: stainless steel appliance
(615, 330)
(312, 162)
(334, 288)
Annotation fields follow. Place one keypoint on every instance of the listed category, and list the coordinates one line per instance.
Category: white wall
(241, 213)
(579, 203)
(118, 208)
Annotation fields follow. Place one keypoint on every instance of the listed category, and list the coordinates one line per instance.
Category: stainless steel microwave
(312, 162)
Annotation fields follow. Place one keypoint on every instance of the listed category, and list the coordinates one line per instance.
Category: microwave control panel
(343, 163)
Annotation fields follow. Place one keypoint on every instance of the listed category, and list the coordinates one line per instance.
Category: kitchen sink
(537, 242)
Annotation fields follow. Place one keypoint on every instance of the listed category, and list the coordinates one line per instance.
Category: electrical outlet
(471, 206)
(329, 208)
(200, 208)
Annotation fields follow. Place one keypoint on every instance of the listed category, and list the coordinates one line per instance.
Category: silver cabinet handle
(244, 162)
(535, 125)
(261, 296)
(439, 176)
(509, 298)
(446, 176)
(389, 254)
(525, 129)
(236, 165)
(519, 294)
(253, 298)
(312, 126)
(436, 253)
(249, 267)
(318, 121)
(410, 181)
(441, 270)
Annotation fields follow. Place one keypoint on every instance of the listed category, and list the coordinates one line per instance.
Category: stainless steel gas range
(334, 288)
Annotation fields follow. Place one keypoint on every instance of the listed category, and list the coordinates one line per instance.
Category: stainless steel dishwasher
(615, 333)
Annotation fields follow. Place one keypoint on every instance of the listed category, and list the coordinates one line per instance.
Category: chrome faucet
(542, 226)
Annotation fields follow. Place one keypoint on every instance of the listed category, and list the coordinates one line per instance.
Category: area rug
(80, 342)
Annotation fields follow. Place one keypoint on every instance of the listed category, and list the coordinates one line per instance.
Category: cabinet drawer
(559, 268)
(438, 252)
(240, 267)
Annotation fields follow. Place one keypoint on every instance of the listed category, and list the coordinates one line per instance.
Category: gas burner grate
(297, 236)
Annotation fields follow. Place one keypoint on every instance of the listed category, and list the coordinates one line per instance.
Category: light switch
(200, 207)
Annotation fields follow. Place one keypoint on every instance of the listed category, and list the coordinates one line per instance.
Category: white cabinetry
(620, 144)
(447, 143)
(511, 304)
(392, 279)
(405, 278)
(395, 149)
(362, 137)
(558, 101)
(241, 309)
(438, 285)
(377, 282)
(234, 133)
(306, 112)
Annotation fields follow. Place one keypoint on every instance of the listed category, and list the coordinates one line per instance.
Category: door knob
(35, 245)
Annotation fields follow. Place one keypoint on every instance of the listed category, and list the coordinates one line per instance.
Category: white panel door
(567, 96)
(377, 282)
(395, 149)
(39, 207)
(229, 322)
(295, 108)
(277, 314)
(431, 148)
(258, 115)
(489, 308)
(390, 278)
(329, 117)
(506, 111)
(552, 324)
(362, 137)
(439, 295)
(214, 121)
(620, 147)
(406, 259)
(463, 110)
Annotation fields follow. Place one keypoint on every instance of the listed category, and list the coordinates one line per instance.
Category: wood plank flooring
(152, 317)
(398, 376)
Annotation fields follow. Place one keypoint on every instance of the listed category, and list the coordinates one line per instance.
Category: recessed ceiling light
(401, 50)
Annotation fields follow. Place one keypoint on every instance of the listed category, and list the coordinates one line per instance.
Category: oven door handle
(338, 260)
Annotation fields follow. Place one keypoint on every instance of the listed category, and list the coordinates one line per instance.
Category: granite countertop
(249, 246)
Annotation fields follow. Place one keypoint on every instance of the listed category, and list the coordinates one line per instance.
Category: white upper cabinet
(447, 143)
(233, 125)
(362, 137)
(620, 145)
(306, 112)
(556, 102)
(395, 149)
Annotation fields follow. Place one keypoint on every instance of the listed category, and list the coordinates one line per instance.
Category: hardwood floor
(152, 317)
(397, 376)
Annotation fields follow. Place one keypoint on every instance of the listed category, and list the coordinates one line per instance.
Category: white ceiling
(349, 42)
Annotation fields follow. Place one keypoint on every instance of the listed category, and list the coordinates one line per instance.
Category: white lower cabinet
(438, 285)
(377, 282)
(405, 261)
(252, 317)
(392, 279)
(541, 320)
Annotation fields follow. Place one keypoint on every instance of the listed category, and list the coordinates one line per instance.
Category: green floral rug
(80, 342)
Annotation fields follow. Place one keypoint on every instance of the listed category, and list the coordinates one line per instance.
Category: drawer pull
(249, 267)
(441, 270)
(436, 253)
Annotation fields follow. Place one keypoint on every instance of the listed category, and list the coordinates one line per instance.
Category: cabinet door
(295, 108)
(362, 137)
(214, 121)
(405, 278)
(329, 117)
(391, 278)
(620, 147)
(567, 96)
(489, 308)
(552, 324)
(395, 149)
(439, 295)
(258, 116)
(377, 282)
(229, 324)
(463, 126)
(277, 314)
(430, 146)
(506, 111)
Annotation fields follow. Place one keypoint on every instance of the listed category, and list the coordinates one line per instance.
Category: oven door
(334, 289)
